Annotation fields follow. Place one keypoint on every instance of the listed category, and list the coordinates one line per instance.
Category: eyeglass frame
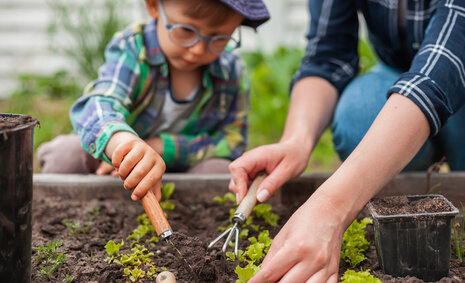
(200, 37)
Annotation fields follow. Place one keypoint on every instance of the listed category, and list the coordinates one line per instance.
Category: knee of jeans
(345, 140)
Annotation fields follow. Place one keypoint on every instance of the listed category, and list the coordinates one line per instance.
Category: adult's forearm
(394, 138)
(312, 105)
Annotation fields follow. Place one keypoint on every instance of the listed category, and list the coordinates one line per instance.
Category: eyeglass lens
(186, 36)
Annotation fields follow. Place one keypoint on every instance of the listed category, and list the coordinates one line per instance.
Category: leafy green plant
(245, 273)
(143, 229)
(76, 226)
(354, 242)
(352, 276)
(227, 197)
(166, 192)
(49, 258)
(85, 33)
(133, 263)
(252, 256)
(265, 212)
(458, 231)
(112, 249)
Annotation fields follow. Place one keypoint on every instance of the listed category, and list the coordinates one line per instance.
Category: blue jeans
(361, 102)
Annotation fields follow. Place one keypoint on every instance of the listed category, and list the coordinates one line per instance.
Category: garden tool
(243, 211)
(161, 225)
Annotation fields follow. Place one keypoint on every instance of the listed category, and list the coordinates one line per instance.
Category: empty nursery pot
(16, 149)
(416, 244)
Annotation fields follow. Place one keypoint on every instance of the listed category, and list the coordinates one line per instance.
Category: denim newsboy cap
(254, 11)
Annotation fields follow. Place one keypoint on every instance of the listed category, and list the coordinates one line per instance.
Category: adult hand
(138, 164)
(282, 161)
(307, 249)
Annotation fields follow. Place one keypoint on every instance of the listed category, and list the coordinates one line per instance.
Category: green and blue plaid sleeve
(104, 108)
(228, 140)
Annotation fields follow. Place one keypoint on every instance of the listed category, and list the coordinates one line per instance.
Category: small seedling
(68, 278)
(95, 211)
(49, 258)
(76, 226)
(227, 197)
(166, 192)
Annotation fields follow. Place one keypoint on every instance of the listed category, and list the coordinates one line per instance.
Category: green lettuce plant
(352, 276)
(354, 243)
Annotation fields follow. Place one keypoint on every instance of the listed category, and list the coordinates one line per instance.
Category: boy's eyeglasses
(187, 36)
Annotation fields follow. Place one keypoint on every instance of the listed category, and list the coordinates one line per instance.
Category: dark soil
(11, 122)
(398, 205)
(195, 225)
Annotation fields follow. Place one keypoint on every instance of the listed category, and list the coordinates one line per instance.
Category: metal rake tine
(218, 238)
(236, 242)
(228, 239)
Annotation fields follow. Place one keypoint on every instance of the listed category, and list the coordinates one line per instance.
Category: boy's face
(193, 57)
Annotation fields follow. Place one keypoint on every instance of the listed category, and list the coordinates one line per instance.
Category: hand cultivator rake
(243, 211)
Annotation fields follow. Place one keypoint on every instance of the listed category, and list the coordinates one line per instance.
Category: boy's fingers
(152, 180)
(139, 172)
(104, 168)
(130, 161)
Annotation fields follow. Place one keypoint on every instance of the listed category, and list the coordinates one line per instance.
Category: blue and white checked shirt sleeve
(332, 43)
(436, 78)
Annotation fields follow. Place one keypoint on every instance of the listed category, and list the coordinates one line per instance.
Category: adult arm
(313, 100)
(436, 78)
(307, 249)
(331, 56)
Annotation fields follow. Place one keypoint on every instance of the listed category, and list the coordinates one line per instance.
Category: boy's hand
(137, 164)
(105, 168)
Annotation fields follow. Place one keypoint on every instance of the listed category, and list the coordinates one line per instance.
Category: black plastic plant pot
(414, 244)
(16, 150)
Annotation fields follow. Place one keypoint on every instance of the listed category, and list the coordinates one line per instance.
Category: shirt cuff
(104, 136)
(427, 95)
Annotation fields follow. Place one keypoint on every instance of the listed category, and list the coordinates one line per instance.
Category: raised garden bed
(196, 216)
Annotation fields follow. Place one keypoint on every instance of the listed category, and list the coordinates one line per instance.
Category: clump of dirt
(9, 121)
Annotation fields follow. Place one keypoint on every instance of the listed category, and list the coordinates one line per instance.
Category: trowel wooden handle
(155, 213)
(247, 204)
(166, 277)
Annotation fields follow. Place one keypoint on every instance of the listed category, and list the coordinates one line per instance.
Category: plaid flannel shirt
(130, 92)
(430, 49)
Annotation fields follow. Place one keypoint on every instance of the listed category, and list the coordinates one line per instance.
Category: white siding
(24, 42)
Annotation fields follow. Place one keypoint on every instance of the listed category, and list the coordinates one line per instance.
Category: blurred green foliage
(81, 33)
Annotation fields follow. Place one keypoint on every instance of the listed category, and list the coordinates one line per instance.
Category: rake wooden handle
(155, 213)
(247, 204)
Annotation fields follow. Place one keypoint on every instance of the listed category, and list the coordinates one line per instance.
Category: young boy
(168, 95)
